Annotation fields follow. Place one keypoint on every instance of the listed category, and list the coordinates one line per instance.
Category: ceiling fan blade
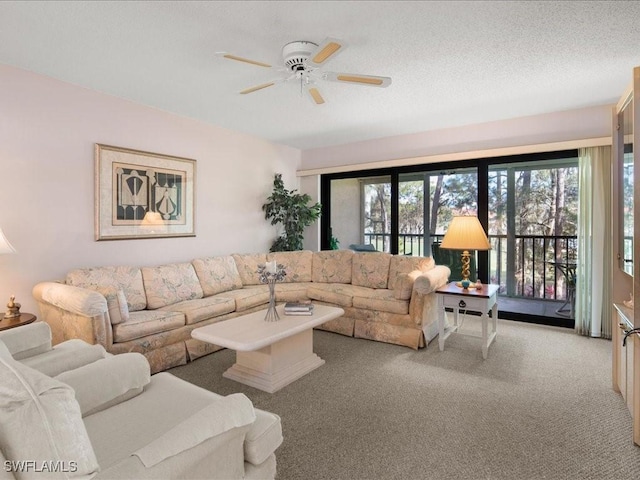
(242, 59)
(371, 80)
(327, 50)
(315, 95)
(258, 87)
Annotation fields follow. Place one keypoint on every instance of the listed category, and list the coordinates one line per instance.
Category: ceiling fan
(303, 62)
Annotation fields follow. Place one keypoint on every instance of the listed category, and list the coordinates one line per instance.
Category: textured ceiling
(452, 63)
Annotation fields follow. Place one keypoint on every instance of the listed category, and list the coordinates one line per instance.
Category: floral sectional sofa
(152, 310)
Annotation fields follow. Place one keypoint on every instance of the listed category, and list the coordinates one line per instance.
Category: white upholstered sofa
(74, 410)
(153, 309)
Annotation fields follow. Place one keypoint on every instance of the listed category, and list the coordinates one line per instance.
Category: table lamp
(465, 233)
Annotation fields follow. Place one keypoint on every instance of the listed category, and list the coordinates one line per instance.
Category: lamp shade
(5, 246)
(465, 233)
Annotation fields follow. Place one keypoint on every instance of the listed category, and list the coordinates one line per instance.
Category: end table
(481, 301)
(23, 319)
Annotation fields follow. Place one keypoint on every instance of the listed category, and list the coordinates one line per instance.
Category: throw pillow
(169, 284)
(217, 274)
(371, 269)
(116, 304)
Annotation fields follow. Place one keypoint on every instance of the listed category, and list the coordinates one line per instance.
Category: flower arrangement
(270, 273)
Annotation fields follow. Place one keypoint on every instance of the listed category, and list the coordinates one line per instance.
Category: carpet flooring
(541, 406)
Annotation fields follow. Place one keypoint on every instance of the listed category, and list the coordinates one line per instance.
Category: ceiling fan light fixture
(326, 52)
(304, 61)
(246, 60)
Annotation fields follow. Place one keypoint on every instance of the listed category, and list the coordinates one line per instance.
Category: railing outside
(533, 274)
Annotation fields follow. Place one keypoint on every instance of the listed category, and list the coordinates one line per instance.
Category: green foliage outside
(545, 204)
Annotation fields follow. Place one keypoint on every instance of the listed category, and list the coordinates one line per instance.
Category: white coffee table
(269, 355)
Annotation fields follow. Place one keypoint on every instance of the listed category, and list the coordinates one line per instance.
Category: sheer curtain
(593, 289)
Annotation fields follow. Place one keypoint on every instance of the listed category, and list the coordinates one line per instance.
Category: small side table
(23, 319)
(481, 301)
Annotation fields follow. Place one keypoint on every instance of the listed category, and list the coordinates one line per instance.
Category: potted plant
(293, 212)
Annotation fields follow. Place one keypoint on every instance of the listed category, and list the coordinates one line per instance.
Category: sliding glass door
(532, 227)
(360, 213)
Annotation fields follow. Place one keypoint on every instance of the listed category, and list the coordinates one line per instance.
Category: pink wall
(47, 134)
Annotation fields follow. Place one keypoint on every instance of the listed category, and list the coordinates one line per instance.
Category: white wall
(47, 134)
(592, 122)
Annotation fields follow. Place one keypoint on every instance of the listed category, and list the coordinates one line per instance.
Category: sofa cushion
(202, 309)
(217, 274)
(336, 293)
(146, 322)
(332, 266)
(172, 283)
(248, 266)
(296, 264)
(167, 401)
(129, 279)
(116, 304)
(381, 300)
(225, 414)
(371, 269)
(49, 409)
(108, 381)
(247, 297)
(292, 292)
(405, 264)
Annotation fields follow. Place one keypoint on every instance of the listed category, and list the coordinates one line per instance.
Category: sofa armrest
(107, 382)
(220, 416)
(67, 355)
(28, 340)
(431, 280)
(74, 312)
(80, 301)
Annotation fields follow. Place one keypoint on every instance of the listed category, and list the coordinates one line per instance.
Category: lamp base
(470, 286)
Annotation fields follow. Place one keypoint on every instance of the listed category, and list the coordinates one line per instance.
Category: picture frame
(143, 194)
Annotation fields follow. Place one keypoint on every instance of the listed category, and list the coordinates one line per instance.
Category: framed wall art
(142, 194)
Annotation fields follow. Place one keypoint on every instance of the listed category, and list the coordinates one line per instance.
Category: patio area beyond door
(528, 206)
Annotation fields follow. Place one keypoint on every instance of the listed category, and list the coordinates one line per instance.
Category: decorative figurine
(13, 308)
(478, 284)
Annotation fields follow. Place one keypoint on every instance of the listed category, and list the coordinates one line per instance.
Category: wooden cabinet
(625, 275)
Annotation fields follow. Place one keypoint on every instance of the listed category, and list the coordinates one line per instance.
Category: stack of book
(298, 308)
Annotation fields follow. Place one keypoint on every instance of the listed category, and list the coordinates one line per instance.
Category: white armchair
(109, 418)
